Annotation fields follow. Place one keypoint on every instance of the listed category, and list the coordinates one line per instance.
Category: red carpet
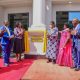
(16, 70)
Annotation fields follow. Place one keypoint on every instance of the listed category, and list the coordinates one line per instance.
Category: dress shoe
(73, 67)
(6, 64)
(49, 61)
(77, 69)
(54, 61)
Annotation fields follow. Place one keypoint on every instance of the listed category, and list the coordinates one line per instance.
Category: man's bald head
(6, 23)
(75, 22)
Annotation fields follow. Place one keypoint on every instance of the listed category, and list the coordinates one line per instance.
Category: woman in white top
(18, 42)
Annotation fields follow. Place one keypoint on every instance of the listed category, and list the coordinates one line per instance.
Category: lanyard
(8, 31)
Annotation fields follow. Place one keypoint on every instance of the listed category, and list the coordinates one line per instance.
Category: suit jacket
(5, 38)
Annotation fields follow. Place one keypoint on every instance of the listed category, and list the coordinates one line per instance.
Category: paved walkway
(40, 70)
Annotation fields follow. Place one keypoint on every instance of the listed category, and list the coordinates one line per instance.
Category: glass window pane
(19, 17)
(73, 15)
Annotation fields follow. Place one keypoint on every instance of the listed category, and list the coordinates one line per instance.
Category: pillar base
(30, 56)
(36, 39)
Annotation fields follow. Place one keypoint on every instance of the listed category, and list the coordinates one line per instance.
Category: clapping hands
(73, 32)
(48, 35)
(11, 37)
(2, 31)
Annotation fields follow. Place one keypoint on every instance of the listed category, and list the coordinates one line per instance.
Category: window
(73, 15)
(61, 18)
(66, 16)
(19, 17)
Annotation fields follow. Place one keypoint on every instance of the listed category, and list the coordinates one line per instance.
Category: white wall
(18, 10)
(67, 7)
(57, 7)
(1, 15)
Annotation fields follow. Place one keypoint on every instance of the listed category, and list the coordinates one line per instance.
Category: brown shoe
(49, 60)
(54, 61)
(77, 69)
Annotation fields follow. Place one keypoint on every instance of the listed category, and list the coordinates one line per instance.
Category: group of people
(11, 39)
(65, 52)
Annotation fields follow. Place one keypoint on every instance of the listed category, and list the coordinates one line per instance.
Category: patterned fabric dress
(52, 43)
(76, 47)
(65, 54)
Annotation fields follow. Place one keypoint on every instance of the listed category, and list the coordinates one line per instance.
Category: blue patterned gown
(52, 43)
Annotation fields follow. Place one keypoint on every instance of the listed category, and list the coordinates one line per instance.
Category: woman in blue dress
(52, 35)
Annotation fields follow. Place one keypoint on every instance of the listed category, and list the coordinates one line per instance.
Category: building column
(39, 9)
(48, 11)
(37, 32)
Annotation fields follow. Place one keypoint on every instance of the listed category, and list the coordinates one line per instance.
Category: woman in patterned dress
(18, 42)
(52, 35)
(65, 50)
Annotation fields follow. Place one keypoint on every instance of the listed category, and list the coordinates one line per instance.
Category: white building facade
(37, 14)
(40, 11)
